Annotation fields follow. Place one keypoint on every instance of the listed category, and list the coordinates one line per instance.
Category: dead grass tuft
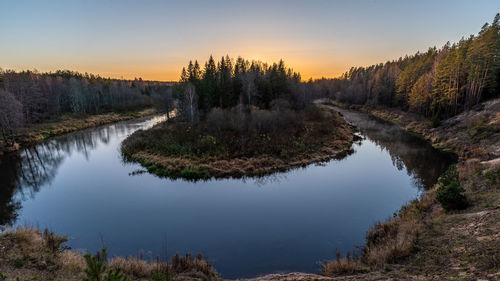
(341, 266)
(188, 263)
(133, 266)
(72, 261)
(390, 241)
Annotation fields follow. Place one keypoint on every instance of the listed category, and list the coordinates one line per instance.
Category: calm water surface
(78, 185)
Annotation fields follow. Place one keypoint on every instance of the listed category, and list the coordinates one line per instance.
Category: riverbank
(36, 133)
(277, 142)
(425, 242)
(30, 254)
(460, 245)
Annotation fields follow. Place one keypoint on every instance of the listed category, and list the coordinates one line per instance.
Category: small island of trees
(239, 118)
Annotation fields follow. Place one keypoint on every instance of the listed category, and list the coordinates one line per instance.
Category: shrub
(450, 193)
(115, 276)
(96, 266)
(451, 196)
(53, 241)
(22, 261)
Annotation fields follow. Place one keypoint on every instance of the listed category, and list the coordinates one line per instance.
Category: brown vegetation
(346, 265)
(30, 254)
(424, 241)
(235, 143)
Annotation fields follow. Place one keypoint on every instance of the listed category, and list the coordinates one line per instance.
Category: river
(79, 186)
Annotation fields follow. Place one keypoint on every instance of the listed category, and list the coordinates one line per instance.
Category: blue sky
(154, 39)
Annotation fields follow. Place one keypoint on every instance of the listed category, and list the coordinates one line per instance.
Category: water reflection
(25, 172)
(78, 186)
(422, 162)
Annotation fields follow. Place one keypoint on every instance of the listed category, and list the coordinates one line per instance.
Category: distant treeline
(231, 82)
(30, 97)
(438, 83)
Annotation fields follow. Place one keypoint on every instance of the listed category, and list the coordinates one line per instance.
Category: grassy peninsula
(230, 143)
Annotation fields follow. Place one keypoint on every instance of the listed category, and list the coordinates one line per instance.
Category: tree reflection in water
(22, 174)
(422, 162)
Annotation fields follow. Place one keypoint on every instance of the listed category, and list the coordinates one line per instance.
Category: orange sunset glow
(153, 40)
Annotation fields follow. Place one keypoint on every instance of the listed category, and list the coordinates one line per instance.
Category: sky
(155, 39)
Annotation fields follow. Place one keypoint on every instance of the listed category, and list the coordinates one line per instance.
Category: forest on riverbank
(250, 101)
(29, 98)
(438, 83)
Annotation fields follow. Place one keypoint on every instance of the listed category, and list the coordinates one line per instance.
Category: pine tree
(209, 85)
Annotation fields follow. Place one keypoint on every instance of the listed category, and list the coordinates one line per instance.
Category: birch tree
(190, 103)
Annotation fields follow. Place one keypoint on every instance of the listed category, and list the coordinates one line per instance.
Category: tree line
(438, 83)
(29, 97)
(238, 82)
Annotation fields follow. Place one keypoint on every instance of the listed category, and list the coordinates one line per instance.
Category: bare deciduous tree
(190, 102)
(11, 115)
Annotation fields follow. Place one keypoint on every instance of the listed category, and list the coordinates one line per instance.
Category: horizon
(153, 40)
(259, 140)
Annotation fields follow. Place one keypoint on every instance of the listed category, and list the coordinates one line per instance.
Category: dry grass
(189, 263)
(179, 266)
(30, 254)
(341, 266)
(427, 243)
(224, 149)
(393, 240)
(235, 167)
(34, 242)
(73, 261)
(390, 241)
(133, 266)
